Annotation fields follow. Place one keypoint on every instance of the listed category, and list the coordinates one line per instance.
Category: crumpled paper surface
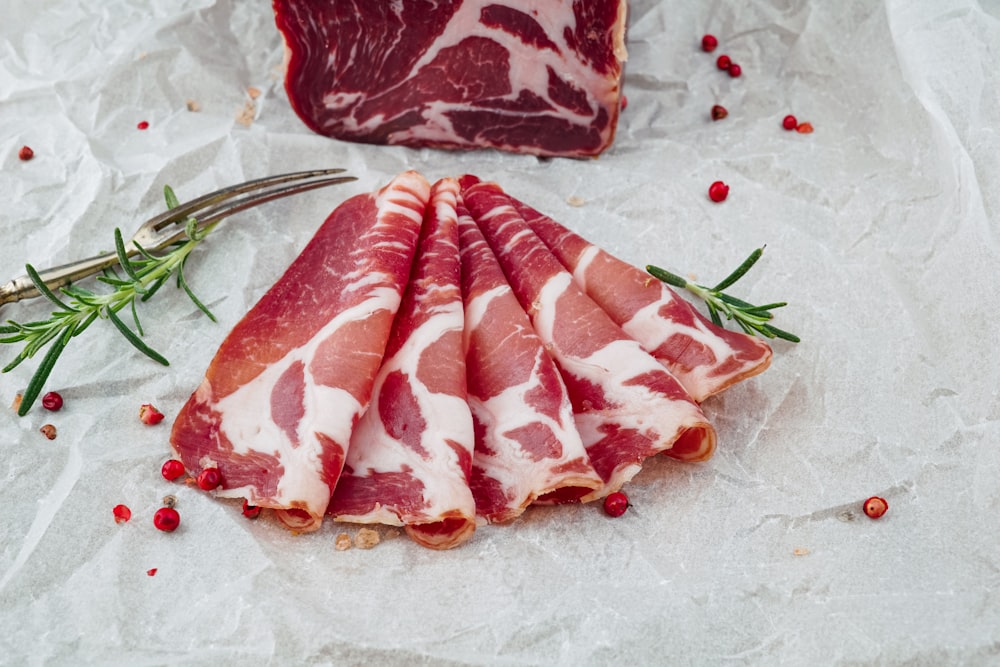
(882, 234)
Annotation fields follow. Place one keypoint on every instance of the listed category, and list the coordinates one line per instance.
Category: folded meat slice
(627, 405)
(527, 445)
(281, 396)
(704, 358)
(411, 453)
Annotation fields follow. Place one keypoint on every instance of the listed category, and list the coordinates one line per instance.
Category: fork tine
(262, 197)
(187, 209)
(228, 208)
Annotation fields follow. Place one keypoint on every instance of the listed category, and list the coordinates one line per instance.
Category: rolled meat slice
(280, 398)
(410, 456)
(527, 445)
(704, 358)
(627, 405)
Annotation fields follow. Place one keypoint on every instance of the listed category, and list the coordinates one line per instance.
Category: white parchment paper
(882, 234)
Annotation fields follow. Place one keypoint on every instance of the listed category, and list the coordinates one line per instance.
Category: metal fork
(169, 227)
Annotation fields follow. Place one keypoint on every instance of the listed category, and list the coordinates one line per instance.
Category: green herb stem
(750, 318)
(144, 275)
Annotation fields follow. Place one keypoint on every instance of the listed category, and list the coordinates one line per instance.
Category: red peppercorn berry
(719, 112)
(25, 153)
(616, 504)
(209, 479)
(250, 511)
(724, 62)
(149, 415)
(708, 43)
(52, 401)
(876, 507)
(718, 191)
(122, 513)
(172, 469)
(735, 70)
(789, 122)
(142, 125)
(167, 519)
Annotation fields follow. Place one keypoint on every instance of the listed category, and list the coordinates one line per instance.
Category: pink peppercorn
(172, 469)
(142, 125)
(122, 513)
(167, 519)
(723, 62)
(52, 401)
(25, 153)
(616, 504)
(708, 43)
(789, 122)
(209, 479)
(735, 70)
(718, 191)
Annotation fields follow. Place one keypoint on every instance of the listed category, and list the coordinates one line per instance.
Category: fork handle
(22, 288)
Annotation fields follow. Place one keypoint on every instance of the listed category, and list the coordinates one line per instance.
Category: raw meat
(704, 358)
(280, 399)
(531, 77)
(627, 405)
(410, 457)
(527, 445)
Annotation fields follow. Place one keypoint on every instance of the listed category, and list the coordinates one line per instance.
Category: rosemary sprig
(752, 319)
(143, 275)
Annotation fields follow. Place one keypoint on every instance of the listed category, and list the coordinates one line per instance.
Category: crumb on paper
(366, 538)
(193, 105)
(800, 551)
(342, 542)
(574, 200)
(16, 403)
(49, 431)
(845, 516)
(246, 115)
(253, 92)
(392, 533)
(169, 501)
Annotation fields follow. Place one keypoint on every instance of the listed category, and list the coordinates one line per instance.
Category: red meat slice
(704, 358)
(527, 446)
(541, 78)
(280, 399)
(627, 405)
(410, 457)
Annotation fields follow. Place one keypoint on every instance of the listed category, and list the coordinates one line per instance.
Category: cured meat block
(704, 358)
(531, 77)
(280, 399)
(527, 445)
(410, 457)
(627, 405)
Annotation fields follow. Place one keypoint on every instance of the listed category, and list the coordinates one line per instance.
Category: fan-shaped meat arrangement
(440, 357)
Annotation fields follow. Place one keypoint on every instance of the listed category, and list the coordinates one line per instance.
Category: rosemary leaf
(43, 288)
(42, 373)
(137, 342)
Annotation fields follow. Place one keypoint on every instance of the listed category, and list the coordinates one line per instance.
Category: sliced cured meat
(627, 405)
(527, 446)
(705, 358)
(541, 78)
(280, 399)
(410, 457)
